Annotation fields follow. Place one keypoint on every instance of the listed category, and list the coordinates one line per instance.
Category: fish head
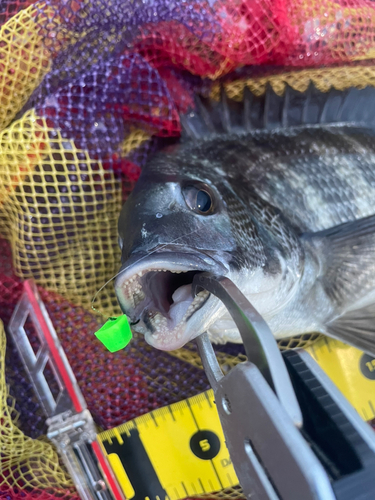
(184, 218)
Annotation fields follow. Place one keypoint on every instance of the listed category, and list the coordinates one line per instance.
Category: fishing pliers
(290, 433)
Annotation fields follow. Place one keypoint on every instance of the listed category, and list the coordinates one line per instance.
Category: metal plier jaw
(290, 433)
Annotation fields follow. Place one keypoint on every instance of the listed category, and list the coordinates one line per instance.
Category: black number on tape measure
(205, 445)
(367, 365)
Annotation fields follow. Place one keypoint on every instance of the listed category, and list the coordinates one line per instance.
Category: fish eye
(199, 199)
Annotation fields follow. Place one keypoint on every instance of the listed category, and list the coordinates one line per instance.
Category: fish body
(285, 211)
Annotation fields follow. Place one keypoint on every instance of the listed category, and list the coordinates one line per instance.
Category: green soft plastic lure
(115, 334)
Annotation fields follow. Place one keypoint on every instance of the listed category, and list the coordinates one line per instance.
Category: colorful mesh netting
(88, 89)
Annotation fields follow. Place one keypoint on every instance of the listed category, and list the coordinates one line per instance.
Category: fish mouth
(155, 292)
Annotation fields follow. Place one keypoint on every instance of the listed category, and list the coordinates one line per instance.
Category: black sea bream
(276, 193)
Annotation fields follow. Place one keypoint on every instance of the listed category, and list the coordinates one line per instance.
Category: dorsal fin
(271, 111)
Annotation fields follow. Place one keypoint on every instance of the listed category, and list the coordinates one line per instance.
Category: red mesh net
(9, 9)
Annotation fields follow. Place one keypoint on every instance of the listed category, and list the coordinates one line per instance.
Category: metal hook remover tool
(290, 433)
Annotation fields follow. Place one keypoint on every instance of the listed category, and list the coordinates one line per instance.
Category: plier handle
(290, 433)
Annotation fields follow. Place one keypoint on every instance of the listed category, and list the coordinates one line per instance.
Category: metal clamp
(275, 453)
(259, 343)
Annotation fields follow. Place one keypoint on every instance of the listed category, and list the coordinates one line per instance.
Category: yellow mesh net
(234, 493)
(24, 60)
(324, 79)
(66, 239)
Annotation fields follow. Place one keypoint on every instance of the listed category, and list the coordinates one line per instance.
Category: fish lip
(176, 261)
(172, 345)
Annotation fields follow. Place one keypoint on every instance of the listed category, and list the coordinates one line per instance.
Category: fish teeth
(159, 320)
(139, 294)
(136, 277)
(133, 283)
(134, 293)
(160, 323)
(200, 297)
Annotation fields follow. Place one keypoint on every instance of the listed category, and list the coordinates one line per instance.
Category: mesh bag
(89, 89)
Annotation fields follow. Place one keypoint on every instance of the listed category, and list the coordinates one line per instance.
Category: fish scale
(269, 173)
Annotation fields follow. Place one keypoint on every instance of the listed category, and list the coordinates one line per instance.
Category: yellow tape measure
(179, 451)
(351, 370)
(176, 451)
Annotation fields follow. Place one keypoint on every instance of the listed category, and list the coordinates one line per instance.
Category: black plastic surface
(346, 457)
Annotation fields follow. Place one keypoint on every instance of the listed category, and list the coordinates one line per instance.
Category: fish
(276, 193)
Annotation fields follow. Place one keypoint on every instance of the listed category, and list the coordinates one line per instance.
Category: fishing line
(136, 262)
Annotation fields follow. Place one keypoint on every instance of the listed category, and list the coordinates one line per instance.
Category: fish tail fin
(272, 111)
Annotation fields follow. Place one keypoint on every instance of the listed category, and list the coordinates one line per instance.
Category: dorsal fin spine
(293, 109)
